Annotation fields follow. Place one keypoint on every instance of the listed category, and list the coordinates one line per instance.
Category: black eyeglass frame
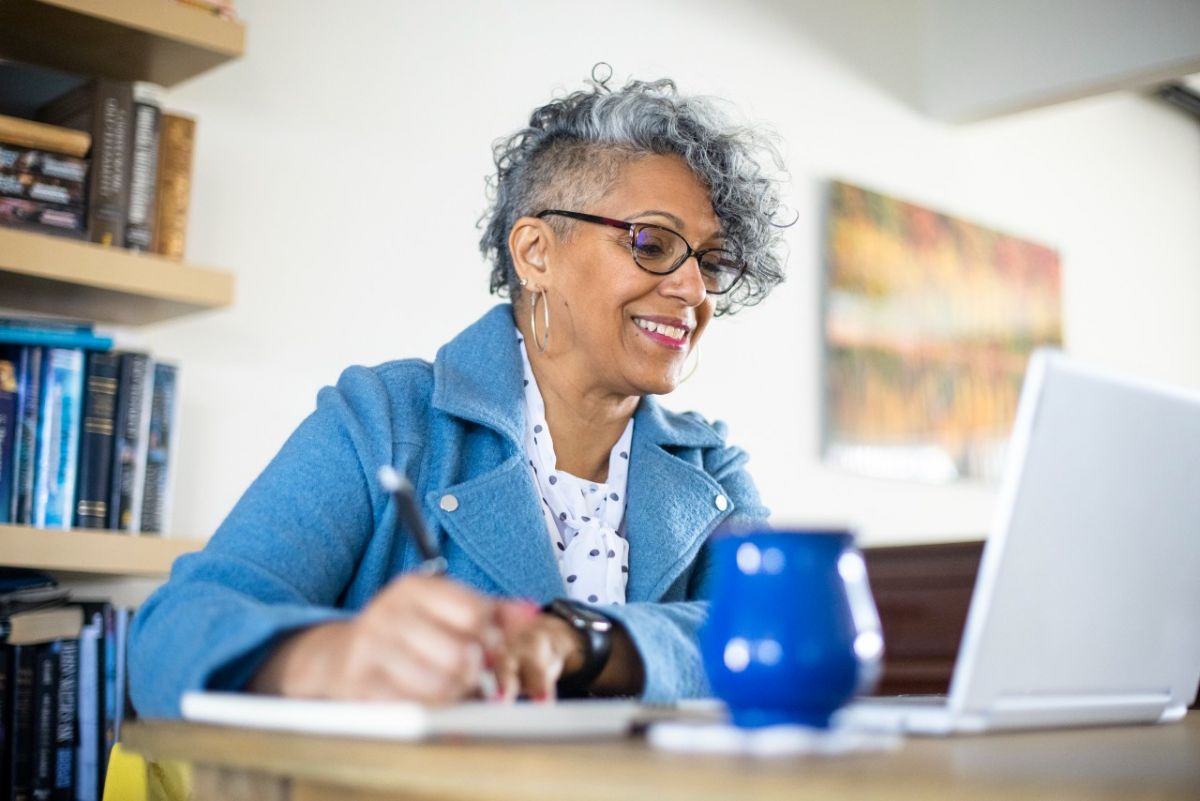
(632, 228)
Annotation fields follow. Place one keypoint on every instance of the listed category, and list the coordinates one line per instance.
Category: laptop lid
(1087, 604)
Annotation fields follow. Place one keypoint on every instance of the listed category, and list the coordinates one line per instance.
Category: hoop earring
(544, 340)
(695, 366)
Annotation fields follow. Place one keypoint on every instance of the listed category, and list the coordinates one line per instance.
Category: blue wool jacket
(313, 540)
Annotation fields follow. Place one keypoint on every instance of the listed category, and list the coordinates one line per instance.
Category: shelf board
(131, 40)
(55, 275)
(97, 553)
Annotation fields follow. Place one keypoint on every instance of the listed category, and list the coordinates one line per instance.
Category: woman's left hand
(535, 656)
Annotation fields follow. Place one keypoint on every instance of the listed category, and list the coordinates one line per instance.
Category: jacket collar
(477, 376)
(671, 503)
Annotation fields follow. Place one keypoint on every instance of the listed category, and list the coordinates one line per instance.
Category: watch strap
(597, 648)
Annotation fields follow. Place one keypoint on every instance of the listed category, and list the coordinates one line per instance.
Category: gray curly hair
(571, 153)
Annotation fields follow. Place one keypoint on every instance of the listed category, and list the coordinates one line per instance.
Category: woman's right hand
(422, 638)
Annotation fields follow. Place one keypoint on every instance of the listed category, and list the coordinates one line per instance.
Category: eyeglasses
(661, 251)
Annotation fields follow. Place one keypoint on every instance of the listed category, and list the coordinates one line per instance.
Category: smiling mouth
(673, 336)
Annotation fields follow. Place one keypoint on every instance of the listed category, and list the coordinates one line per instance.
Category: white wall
(340, 171)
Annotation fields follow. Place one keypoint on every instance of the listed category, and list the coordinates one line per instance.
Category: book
(53, 337)
(40, 163)
(108, 677)
(54, 138)
(32, 598)
(96, 443)
(129, 443)
(89, 756)
(143, 165)
(44, 217)
(159, 448)
(5, 680)
(9, 360)
(29, 389)
(26, 185)
(104, 108)
(22, 579)
(120, 695)
(41, 625)
(176, 146)
(19, 756)
(65, 720)
(48, 324)
(45, 714)
(406, 720)
(58, 438)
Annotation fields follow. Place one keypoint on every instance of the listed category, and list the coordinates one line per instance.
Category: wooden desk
(1143, 762)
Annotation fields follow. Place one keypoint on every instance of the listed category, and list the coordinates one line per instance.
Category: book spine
(58, 438)
(9, 363)
(160, 448)
(27, 133)
(45, 714)
(53, 338)
(143, 164)
(89, 779)
(30, 186)
(140, 454)
(120, 679)
(96, 445)
(20, 735)
(29, 389)
(65, 719)
(6, 679)
(27, 161)
(48, 324)
(109, 736)
(177, 144)
(132, 394)
(39, 215)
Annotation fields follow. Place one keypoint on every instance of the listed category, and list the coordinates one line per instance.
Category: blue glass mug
(792, 632)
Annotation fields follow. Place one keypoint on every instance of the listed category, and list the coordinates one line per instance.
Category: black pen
(408, 512)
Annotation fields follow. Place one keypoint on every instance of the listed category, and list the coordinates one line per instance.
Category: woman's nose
(686, 283)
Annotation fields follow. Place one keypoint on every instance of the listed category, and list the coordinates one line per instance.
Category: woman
(622, 222)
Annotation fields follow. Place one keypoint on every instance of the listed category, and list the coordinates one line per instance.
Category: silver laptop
(1086, 610)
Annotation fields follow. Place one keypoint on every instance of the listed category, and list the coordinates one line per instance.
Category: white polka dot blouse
(583, 518)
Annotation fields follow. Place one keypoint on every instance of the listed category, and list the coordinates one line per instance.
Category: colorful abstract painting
(929, 323)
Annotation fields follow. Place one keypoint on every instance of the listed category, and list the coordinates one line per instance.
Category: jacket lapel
(672, 505)
(498, 519)
(498, 523)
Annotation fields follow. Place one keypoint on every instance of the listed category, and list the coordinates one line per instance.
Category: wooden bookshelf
(95, 553)
(147, 40)
(54, 275)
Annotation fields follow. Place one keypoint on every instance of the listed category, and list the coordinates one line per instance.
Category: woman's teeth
(666, 330)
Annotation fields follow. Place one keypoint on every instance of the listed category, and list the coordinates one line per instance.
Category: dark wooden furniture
(923, 592)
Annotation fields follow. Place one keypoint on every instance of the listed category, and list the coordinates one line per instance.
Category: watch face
(581, 616)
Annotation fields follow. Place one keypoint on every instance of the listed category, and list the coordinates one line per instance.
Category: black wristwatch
(597, 634)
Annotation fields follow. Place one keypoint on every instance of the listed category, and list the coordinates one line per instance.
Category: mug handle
(868, 637)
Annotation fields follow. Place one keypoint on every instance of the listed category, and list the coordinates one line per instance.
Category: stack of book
(86, 432)
(63, 691)
(43, 177)
(141, 163)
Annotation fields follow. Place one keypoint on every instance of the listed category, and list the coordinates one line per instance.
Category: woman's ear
(529, 244)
